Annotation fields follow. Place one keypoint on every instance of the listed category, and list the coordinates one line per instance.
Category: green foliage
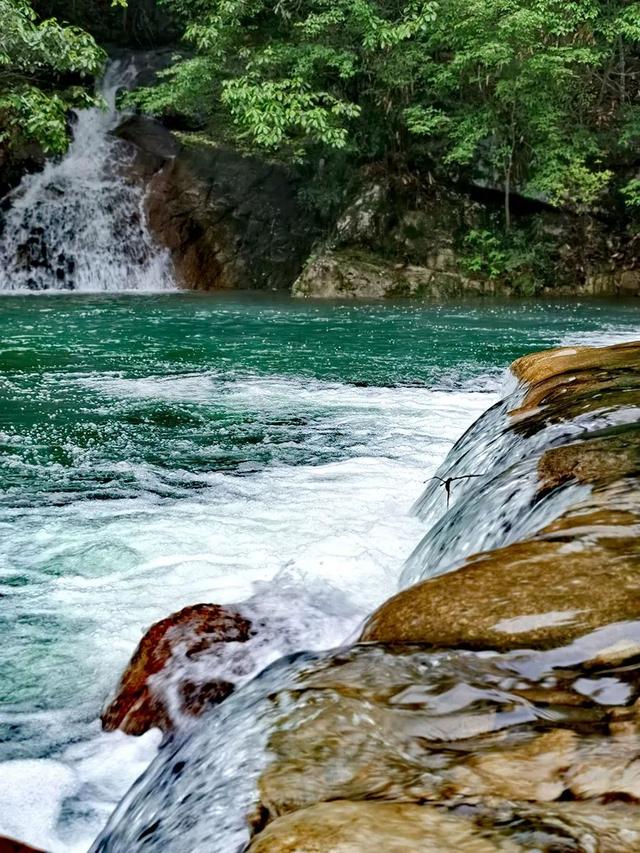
(534, 96)
(631, 193)
(524, 258)
(35, 58)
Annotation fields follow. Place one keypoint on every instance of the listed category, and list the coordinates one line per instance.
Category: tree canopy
(535, 95)
(42, 66)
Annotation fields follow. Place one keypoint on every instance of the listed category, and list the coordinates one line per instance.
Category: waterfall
(79, 224)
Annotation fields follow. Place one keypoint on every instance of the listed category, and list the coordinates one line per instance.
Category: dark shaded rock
(230, 221)
(144, 697)
(153, 143)
(10, 845)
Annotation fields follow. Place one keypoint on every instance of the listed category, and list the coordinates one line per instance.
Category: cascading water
(494, 488)
(79, 224)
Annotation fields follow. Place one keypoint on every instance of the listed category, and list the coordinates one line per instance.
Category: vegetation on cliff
(540, 98)
(43, 66)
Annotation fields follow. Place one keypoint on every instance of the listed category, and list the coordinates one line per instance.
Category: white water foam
(79, 224)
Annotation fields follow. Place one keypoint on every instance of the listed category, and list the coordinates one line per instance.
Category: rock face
(230, 221)
(351, 274)
(350, 827)
(391, 243)
(154, 690)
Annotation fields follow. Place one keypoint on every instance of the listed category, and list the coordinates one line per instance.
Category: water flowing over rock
(494, 705)
(79, 224)
(158, 686)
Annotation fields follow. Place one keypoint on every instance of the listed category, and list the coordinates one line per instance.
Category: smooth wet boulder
(540, 366)
(157, 686)
(362, 827)
(598, 460)
(562, 385)
(579, 573)
(503, 740)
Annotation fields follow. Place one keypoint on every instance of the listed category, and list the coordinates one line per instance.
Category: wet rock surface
(537, 593)
(351, 827)
(158, 684)
(10, 845)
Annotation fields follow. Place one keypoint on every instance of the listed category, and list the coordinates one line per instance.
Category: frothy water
(79, 224)
(181, 449)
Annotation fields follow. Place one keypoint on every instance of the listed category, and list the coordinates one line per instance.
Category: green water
(64, 427)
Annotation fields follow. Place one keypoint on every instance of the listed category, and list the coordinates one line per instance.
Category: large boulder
(361, 827)
(361, 274)
(228, 219)
(579, 573)
(547, 364)
(157, 688)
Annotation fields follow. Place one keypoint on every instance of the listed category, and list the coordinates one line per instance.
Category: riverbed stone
(599, 460)
(155, 687)
(580, 572)
(361, 827)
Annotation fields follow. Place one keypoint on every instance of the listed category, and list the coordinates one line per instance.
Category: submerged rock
(155, 688)
(362, 827)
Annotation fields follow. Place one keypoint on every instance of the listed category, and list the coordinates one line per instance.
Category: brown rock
(229, 220)
(534, 771)
(570, 382)
(10, 845)
(363, 827)
(141, 702)
(566, 826)
(539, 366)
(581, 572)
(597, 461)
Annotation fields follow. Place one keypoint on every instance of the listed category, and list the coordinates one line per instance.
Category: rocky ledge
(494, 705)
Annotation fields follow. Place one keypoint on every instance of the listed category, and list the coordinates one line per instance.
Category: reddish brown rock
(10, 845)
(159, 666)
